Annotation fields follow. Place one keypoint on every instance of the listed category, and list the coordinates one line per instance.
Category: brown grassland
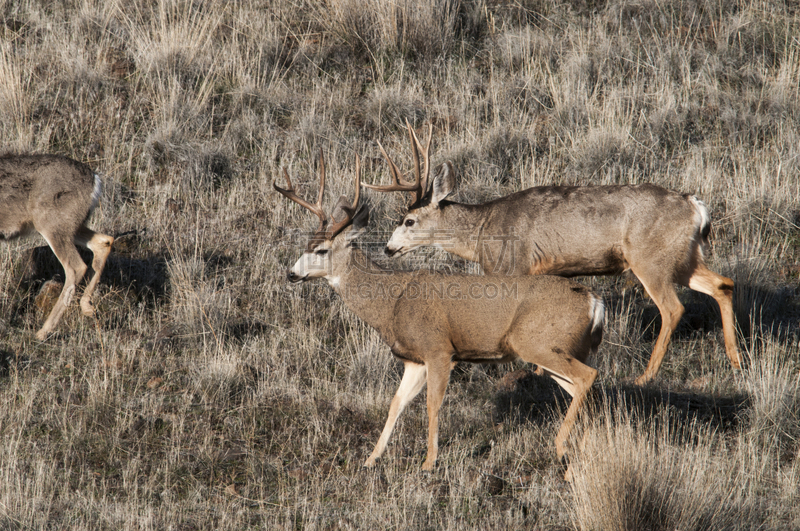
(209, 393)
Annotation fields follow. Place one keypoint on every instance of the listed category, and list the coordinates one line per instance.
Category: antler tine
(290, 193)
(349, 212)
(417, 146)
(397, 185)
(321, 180)
(417, 175)
(420, 184)
(358, 183)
(426, 154)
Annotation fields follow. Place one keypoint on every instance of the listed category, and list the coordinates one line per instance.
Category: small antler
(420, 184)
(315, 208)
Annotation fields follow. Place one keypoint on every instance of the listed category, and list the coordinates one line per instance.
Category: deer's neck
(464, 225)
(370, 291)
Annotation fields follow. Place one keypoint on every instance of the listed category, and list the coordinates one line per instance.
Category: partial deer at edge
(54, 195)
(658, 234)
(431, 321)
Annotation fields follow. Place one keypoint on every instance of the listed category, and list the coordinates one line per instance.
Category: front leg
(410, 386)
(438, 377)
(100, 245)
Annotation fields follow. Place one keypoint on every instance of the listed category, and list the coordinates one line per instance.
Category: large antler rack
(323, 233)
(420, 185)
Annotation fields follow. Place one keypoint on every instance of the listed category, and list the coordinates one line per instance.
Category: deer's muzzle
(294, 277)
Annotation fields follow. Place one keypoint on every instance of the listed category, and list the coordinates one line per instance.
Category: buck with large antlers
(431, 321)
(54, 196)
(658, 234)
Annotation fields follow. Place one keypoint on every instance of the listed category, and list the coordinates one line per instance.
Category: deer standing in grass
(658, 234)
(54, 195)
(431, 321)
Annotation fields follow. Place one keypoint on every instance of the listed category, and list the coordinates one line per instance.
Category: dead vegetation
(209, 393)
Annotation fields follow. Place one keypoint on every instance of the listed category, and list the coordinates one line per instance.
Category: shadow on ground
(526, 397)
(136, 276)
(760, 307)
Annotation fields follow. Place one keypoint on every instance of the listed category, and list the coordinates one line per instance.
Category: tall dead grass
(639, 469)
(209, 393)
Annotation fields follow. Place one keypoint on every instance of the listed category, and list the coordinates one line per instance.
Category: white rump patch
(97, 191)
(597, 313)
(701, 221)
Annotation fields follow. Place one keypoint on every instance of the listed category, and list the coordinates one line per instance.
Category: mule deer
(431, 321)
(54, 196)
(658, 234)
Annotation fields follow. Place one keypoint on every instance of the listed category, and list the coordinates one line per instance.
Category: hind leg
(721, 288)
(562, 362)
(74, 269)
(576, 379)
(577, 384)
(438, 377)
(100, 245)
(662, 291)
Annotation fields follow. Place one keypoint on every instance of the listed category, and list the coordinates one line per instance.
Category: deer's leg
(438, 377)
(100, 245)
(663, 294)
(576, 379)
(413, 379)
(74, 269)
(560, 357)
(721, 288)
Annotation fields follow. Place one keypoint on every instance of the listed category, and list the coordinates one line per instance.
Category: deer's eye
(409, 223)
(321, 252)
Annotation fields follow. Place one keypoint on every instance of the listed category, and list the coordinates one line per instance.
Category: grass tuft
(209, 392)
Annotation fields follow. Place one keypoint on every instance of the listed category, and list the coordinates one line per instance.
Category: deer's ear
(359, 224)
(444, 182)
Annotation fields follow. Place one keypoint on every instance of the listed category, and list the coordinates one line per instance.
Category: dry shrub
(526, 50)
(222, 378)
(773, 381)
(173, 39)
(180, 116)
(644, 471)
(390, 107)
(15, 99)
(210, 393)
(198, 301)
(638, 473)
(420, 32)
(602, 156)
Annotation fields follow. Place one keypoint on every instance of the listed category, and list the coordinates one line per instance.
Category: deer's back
(38, 187)
(584, 230)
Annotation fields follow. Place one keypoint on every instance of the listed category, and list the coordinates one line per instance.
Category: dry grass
(662, 469)
(210, 394)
